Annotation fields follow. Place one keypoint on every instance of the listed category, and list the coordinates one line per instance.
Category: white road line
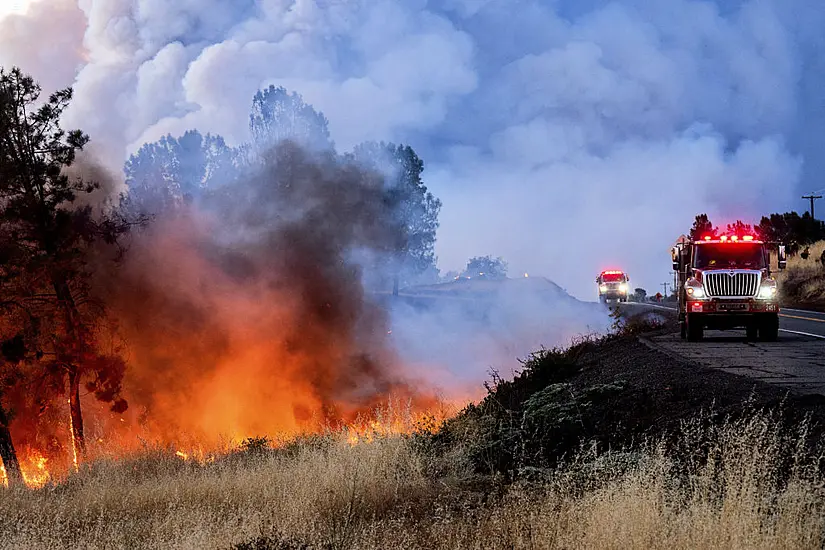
(803, 333)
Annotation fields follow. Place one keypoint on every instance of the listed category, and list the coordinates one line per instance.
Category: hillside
(802, 283)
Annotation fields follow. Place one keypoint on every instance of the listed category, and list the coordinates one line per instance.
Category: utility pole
(812, 198)
(665, 287)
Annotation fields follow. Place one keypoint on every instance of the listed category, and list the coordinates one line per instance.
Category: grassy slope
(802, 284)
(506, 473)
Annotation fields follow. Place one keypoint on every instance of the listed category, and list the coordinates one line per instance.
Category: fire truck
(725, 282)
(613, 285)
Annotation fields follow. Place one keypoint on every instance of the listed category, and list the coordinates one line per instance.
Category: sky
(13, 6)
(566, 136)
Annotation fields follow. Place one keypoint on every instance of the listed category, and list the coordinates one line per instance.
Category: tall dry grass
(743, 485)
(802, 283)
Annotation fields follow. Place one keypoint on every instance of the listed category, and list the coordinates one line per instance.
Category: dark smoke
(243, 311)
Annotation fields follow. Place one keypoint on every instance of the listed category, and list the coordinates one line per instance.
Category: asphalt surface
(795, 361)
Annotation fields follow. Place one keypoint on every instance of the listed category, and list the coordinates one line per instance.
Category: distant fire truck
(725, 282)
(613, 285)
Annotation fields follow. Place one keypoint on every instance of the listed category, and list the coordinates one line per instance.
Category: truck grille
(722, 284)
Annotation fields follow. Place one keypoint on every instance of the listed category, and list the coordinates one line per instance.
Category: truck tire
(769, 328)
(695, 330)
(682, 330)
(752, 331)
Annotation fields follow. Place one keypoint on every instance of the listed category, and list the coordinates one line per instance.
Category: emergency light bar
(612, 272)
(730, 238)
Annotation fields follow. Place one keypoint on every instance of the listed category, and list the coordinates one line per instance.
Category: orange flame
(34, 468)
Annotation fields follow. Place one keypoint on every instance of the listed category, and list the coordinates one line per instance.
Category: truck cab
(613, 284)
(725, 282)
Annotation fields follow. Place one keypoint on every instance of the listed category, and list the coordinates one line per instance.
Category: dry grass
(803, 282)
(743, 485)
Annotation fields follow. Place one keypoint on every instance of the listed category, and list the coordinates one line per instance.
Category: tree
(739, 228)
(702, 226)
(415, 207)
(46, 243)
(174, 171)
(641, 294)
(791, 229)
(486, 267)
(278, 115)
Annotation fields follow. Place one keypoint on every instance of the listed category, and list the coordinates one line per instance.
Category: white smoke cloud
(563, 135)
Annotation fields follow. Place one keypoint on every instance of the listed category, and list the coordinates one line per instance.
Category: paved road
(795, 361)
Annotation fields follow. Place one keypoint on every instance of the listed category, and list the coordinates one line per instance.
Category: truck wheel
(682, 330)
(751, 331)
(769, 328)
(695, 331)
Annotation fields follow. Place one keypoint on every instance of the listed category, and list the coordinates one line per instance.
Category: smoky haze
(545, 125)
(244, 316)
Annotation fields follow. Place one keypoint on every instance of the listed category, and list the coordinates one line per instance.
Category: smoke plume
(611, 123)
(243, 312)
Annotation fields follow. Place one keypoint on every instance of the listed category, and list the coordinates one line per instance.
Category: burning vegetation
(194, 315)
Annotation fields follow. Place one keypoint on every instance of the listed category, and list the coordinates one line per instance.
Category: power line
(812, 198)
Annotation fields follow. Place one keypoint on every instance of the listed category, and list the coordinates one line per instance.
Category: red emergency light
(612, 272)
(730, 238)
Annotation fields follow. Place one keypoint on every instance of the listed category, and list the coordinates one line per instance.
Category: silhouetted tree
(415, 208)
(174, 171)
(487, 267)
(702, 226)
(278, 115)
(791, 229)
(46, 239)
(739, 228)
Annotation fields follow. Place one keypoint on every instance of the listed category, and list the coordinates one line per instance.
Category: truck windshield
(729, 256)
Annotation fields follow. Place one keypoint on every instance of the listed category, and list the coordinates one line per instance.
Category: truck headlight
(623, 288)
(603, 287)
(768, 289)
(694, 289)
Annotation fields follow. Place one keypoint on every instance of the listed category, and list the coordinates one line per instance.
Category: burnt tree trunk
(7, 452)
(74, 331)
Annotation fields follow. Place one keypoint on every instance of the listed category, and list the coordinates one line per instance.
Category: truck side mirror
(782, 259)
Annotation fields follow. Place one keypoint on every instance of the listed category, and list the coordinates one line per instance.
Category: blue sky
(564, 135)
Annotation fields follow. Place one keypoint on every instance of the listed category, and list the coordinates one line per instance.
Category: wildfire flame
(395, 418)
(33, 466)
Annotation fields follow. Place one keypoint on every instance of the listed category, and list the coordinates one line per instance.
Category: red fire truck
(613, 284)
(725, 282)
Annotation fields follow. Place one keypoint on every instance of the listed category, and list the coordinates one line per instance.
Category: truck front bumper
(729, 314)
(732, 307)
